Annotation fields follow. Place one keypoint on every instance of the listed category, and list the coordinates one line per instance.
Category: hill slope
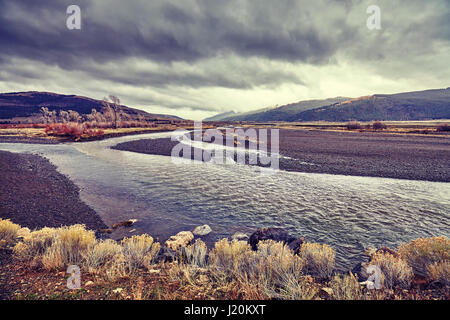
(418, 105)
(23, 106)
(283, 113)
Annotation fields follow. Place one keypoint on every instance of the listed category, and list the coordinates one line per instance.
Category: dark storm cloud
(162, 31)
(177, 43)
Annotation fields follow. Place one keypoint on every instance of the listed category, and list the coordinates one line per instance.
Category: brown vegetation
(230, 270)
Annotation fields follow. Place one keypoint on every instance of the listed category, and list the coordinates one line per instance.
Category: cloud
(168, 51)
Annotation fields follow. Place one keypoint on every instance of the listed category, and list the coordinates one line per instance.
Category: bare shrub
(396, 272)
(319, 259)
(378, 125)
(230, 257)
(8, 232)
(440, 272)
(115, 268)
(277, 270)
(273, 269)
(293, 288)
(140, 251)
(34, 245)
(353, 125)
(423, 252)
(346, 287)
(196, 253)
(68, 247)
(99, 254)
(443, 128)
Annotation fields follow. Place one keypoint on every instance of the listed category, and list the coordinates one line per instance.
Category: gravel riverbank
(346, 153)
(35, 195)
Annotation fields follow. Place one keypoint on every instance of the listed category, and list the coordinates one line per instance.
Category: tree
(378, 125)
(46, 114)
(112, 107)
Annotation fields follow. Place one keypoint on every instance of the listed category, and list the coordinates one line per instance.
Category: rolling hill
(25, 106)
(418, 105)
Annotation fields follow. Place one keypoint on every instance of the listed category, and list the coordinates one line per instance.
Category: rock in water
(202, 230)
(296, 245)
(276, 234)
(239, 236)
(126, 223)
(360, 271)
(181, 239)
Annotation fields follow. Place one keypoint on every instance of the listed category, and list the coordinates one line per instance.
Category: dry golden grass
(346, 287)
(319, 259)
(8, 232)
(140, 251)
(69, 246)
(34, 245)
(196, 253)
(99, 254)
(423, 252)
(232, 271)
(440, 272)
(395, 271)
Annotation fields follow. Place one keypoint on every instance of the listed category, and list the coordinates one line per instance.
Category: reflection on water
(349, 213)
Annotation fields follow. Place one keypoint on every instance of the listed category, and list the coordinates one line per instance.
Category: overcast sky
(196, 58)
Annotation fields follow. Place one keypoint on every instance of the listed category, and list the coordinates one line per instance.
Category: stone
(89, 283)
(126, 223)
(181, 239)
(296, 245)
(239, 236)
(105, 231)
(276, 234)
(166, 254)
(118, 290)
(202, 230)
(360, 270)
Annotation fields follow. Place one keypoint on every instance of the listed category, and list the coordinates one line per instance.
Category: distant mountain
(418, 105)
(23, 106)
(221, 116)
(283, 113)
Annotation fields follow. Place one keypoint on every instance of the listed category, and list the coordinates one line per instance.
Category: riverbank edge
(164, 146)
(35, 194)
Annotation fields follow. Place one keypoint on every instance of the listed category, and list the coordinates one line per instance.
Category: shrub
(443, 128)
(353, 125)
(196, 253)
(140, 251)
(100, 254)
(8, 232)
(279, 272)
(230, 257)
(34, 244)
(423, 252)
(115, 268)
(440, 272)
(346, 287)
(396, 272)
(319, 259)
(69, 246)
(378, 125)
(73, 130)
(273, 270)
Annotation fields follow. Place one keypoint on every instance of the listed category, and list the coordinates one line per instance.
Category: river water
(347, 212)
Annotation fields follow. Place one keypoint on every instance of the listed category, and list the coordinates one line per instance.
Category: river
(347, 212)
